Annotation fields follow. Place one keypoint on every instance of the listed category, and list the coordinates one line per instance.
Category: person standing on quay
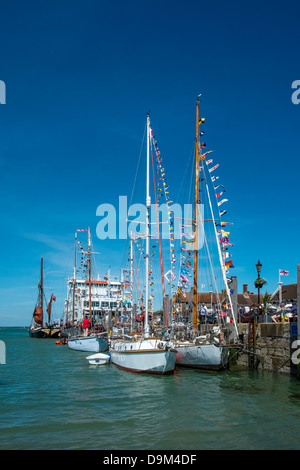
(86, 324)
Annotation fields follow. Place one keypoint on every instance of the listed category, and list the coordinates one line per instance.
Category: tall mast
(122, 291)
(42, 288)
(148, 204)
(195, 293)
(131, 279)
(67, 315)
(74, 280)
(90, 286)
(109, 289)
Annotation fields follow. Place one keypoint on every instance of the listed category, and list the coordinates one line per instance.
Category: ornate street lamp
(259, 282)
(258, 268)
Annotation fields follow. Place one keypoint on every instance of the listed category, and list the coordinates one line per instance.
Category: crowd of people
(283, 314)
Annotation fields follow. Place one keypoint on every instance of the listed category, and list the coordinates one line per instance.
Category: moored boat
(208, 352)
(149, 355)
(37, 328)
(92, 343)
(144, 354)
(201, 244)
(201, 355)
(98, 359)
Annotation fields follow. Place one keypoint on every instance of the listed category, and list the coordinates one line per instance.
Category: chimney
(245, 288)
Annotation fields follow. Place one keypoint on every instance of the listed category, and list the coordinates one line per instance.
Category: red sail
(38, 315)
(49, 309)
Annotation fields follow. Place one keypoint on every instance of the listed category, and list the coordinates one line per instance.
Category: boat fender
(222, 337)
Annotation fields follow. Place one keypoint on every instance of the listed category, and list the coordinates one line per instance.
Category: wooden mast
(195, 292)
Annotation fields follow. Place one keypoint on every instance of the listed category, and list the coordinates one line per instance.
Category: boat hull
(36, 333)
(202, 356)
(44, 332)
(88, 343)
(143, 356)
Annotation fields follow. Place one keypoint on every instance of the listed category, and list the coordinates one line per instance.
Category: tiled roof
(205, 297)
(245, 299)
(289, 292)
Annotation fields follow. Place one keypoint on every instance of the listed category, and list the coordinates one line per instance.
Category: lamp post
(258, 269)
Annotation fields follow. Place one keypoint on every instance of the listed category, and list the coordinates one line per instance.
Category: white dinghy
(98, 359)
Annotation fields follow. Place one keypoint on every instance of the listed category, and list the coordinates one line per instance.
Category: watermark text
(172, 219)
(2, 353)
(2, 92)
(296, 94)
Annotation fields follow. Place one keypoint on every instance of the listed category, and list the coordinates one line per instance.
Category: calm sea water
(51, 399)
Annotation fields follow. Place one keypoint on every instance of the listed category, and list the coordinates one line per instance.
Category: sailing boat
(207, 351)
(93, 342)
(37, 328)
(144, 354)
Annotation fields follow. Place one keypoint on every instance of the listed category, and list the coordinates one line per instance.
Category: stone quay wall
(270, 348)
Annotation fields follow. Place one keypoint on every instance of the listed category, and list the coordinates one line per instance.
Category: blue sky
(80, 78)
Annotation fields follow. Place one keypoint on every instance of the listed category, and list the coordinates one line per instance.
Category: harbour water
(52, 399)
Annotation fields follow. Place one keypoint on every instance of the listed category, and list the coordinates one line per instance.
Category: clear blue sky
(80, 77)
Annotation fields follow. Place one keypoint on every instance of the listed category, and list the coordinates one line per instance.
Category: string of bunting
(83, 268)
(126, 272)
(222, 234)
(186, 251)
(187, 241)
(186, 269)
(163, 191)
